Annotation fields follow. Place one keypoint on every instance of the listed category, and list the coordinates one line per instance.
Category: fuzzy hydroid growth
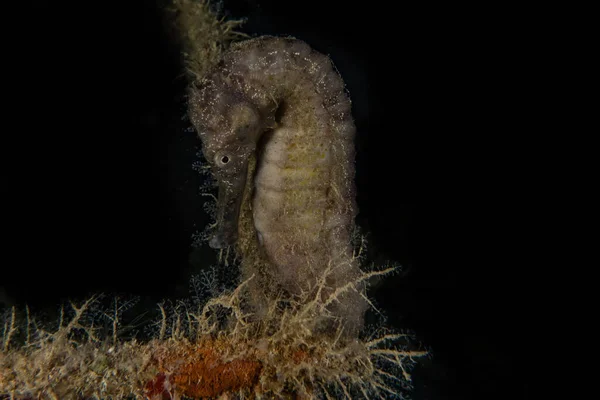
(208, 349)
(203, 34)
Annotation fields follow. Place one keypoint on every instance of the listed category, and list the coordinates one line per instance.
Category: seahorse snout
(229, 201)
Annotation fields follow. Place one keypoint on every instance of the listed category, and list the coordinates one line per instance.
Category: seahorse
(275, 123)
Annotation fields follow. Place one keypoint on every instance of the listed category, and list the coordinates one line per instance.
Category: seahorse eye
(222, 159)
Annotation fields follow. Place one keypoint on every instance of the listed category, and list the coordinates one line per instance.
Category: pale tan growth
(59, 365)
(281, 356)
(203, 34)
(285, 103)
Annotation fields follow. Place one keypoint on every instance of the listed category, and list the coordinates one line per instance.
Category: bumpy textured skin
(283, 103)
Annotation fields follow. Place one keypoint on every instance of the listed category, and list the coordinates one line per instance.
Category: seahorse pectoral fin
(231, 192)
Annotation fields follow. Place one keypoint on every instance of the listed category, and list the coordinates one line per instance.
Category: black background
(99, 193)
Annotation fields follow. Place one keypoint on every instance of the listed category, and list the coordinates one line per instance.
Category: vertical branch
(163, 324)
(9, 329)
(115, 322)
(60, 319)
(28, 334)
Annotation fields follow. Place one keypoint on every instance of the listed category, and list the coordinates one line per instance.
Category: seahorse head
(229, 126)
